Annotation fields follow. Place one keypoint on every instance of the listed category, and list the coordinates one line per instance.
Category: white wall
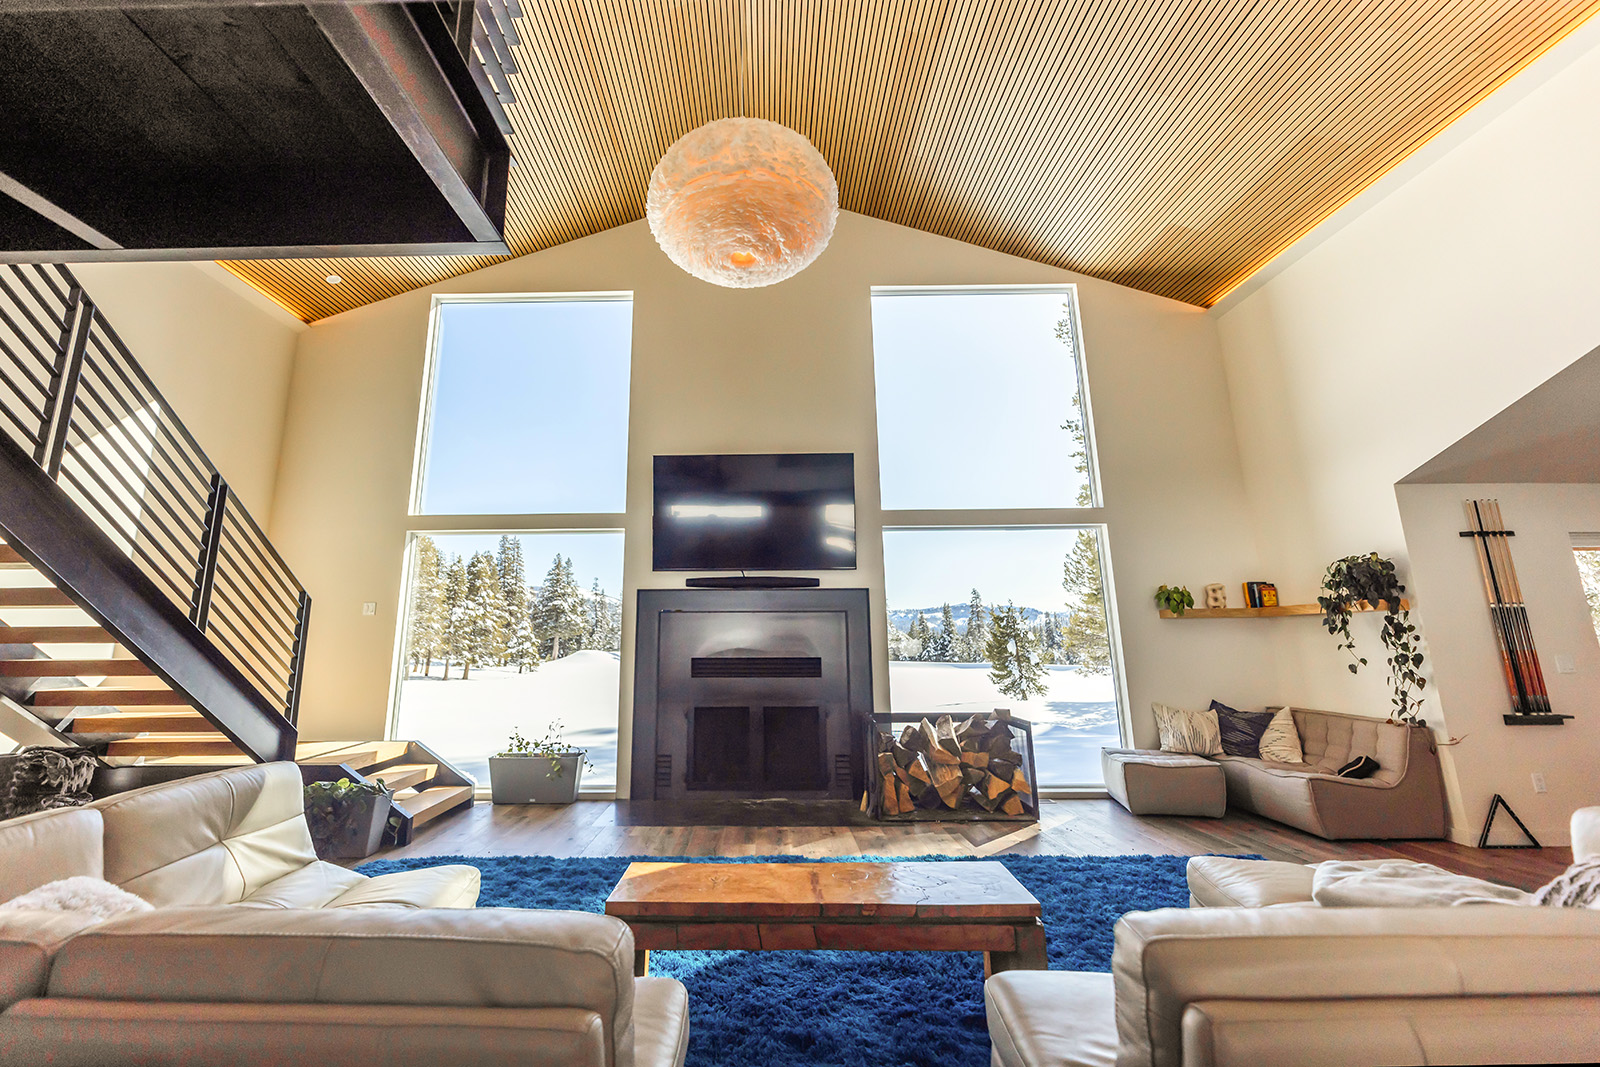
(221, 357)
(1414, 317)
(783, 368)
(1492, 757)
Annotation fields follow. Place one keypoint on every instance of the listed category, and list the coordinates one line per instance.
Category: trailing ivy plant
(334, 809)
(1177, 600)
(1372, 578)
(551, 747)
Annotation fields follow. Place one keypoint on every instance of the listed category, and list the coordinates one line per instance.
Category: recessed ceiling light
(334, 279)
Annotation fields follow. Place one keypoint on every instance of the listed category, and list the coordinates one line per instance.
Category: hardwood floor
(1066, 827)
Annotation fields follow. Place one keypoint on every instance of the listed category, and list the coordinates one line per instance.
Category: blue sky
(972, 391)
(530, 408)
(924, 568)
(594, 555)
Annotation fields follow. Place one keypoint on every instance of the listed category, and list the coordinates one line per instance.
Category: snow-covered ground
(1072, 720)
(468, 721)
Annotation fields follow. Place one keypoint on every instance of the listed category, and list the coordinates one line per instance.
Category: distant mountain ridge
(902, 618)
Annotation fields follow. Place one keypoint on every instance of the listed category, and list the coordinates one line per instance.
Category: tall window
(1586, 549)
(514, 577)
(993, 546)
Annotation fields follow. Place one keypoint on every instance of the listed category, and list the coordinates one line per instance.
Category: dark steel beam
(141, 255)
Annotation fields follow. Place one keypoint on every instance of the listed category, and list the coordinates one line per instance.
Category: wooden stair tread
(143, 722)
(39, 597)
(358, 755)
(10, 557)
(103, 697)
(55, 635)
(73, 668)
(403, 775)
(174, 745)
(429, 804)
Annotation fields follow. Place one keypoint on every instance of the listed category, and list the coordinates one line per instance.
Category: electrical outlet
(1565, 663)
(1538, 782)
(369, 608)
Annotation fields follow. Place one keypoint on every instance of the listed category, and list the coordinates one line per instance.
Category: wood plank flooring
(1066, 827)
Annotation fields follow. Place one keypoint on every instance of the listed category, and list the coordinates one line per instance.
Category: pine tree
(513, 578)
(425, 629)
(900, 645)
(947, 642)
(522, 641)
(604, 631)
(560, 613)
(485, 612)
(455, 640)
(1084, 636)
(922, 634)
(1013, 654)
(972, 646)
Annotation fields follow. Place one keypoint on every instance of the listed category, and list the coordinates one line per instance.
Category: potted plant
(546, 771)
(1176, 600)
(1371, 579)
(347, 819)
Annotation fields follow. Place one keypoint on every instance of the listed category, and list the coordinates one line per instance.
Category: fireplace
(742, 694)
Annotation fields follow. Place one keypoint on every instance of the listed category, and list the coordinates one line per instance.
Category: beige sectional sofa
(259, 953)
(1302, 984)
(1404, 799)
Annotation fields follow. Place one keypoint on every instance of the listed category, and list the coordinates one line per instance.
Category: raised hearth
(750, 694)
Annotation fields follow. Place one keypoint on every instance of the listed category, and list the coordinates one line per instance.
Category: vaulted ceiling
(1170, 145)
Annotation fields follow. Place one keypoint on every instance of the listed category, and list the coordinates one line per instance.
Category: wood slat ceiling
(1170, 145)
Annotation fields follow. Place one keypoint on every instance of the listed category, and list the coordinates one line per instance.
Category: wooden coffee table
(873, 907)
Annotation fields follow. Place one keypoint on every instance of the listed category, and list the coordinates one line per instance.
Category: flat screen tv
(787, 512)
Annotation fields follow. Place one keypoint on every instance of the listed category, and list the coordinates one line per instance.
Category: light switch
(369, 608)
(1565, 664)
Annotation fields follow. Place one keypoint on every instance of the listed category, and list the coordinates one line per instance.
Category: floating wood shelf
(1279, 612)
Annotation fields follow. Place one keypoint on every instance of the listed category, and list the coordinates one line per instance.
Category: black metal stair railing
(75, 398)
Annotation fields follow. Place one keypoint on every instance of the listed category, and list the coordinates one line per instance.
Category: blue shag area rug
(847, 1009)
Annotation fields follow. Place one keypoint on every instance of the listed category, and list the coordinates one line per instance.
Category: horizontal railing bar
(272, 682)
(235, 551)
(22, 335)
(63, 295)
(21, 396)
(155, 417)
(57, 320)
(246, 657)
(39, 327)
(138, 492)
(138, 536)
(244, 595)
(22, 365)
(133, 367)
(22, 429)
(286, 649)
(173, 588)
(270, 559)
(189, 517)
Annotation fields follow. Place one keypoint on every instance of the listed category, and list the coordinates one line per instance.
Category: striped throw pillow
(1281, 741)
(1192, 733)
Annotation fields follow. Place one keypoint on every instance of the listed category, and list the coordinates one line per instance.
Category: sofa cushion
(48, 847)
(316, 885)
(1280, 741)
(1051, 1019)
(660, 1022)
(448, 886)
(1225, 882)
(29, 940)
(212, 839)
(1164, 783)
(1188, 732)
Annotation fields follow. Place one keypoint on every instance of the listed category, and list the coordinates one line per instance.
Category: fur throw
(81, 895)
(45, 778)
(1576, 887)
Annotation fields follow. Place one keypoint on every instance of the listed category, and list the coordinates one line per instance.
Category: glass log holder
(939, 768)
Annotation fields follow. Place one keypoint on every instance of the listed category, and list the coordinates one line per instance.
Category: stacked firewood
(945, 763)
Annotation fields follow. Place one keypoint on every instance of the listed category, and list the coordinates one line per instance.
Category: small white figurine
(1216, 595)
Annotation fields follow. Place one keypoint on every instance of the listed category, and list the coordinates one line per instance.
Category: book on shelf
(1260, 595)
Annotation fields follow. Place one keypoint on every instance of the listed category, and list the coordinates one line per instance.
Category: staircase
(143, 613)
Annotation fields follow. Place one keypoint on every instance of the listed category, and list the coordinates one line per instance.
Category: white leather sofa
(1296, 983)
(258, 953)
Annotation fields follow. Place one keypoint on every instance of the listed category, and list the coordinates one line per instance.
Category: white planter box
(527, 779)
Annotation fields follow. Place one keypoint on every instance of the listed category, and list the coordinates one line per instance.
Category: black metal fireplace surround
(750, 695)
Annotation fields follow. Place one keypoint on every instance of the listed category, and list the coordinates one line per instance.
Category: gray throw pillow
(1241, 730)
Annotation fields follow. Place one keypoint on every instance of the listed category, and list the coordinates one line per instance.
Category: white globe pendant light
(742, 203)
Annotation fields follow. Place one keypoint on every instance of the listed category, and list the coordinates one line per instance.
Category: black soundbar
(754, 581)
